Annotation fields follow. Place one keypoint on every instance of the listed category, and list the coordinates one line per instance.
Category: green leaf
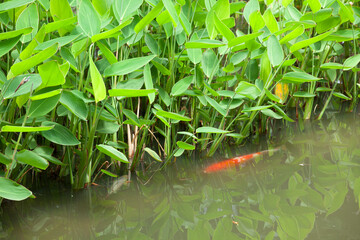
(314, 5)
(292, 35)
(149, 82)
(10, 189)
(210, 130)
(271, 113)
(15, 33)
(172, 115)
(256, 108)
(51, 74)
(88, 18)
(298, 77)
(106, 52)
(44, 105)
(111, 32)
(270, 21)
(216, 105)
(61, 10)
(210, 63)
(271, 96)
(194, 54)
(25, 65)
(59, 135)
(75, 104)
(149, 17)
(204, 43)
(304, 94)
(127, 66)
(282, 113)
(340, 95)
(97, 82)
(17, 86)
(109, 173)
(112, 152)
(250, 7)
(28, 18)
(256, 21)
(181, 86)
(275, 51)
(7, 45)
(31, 158)
(54, 26)
(351, 62)
(132, 116)
(244, 39)
(185, 23)
(185, 145)
(10, 128)
(171, 9)
(123, 8)
(309, 41)
(332, 65)
(14, 4)
(153, 154)
(130, 92)
(248, 90)
(223, 29)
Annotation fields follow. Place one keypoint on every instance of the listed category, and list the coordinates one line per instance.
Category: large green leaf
(25, 65)
(153, 154)
(204, 43)
(15, 33)
(127, 66)
(131, 92)
(28, 18)
(309, 41)
(10, 128)
(172, 115)
(88, 18)
(275, 51)
(14, 4)
(298, 77)
(248, 90)
(12, 190)
(51, 74)
(112, 152)
(42, 107)
(33, 159)
(172, 11)
(59, 134)
(210, 63)
(75, 104)
(7, 45)
(20, 85)
(149, 17)
(123, 8)
(181, 86)
(97, 81)
(210, 130)
(149, 82)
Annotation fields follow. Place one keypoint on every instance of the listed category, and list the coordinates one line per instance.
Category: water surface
(308, 190)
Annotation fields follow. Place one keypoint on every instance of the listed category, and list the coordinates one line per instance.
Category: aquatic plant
(81, 80)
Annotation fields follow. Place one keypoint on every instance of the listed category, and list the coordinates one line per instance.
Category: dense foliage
(121, 78)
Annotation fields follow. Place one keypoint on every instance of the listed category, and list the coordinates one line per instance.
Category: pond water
(307, 190)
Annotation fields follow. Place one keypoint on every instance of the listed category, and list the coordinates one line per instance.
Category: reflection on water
(310, 190)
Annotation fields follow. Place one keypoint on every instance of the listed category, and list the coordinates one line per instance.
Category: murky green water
(310, 189)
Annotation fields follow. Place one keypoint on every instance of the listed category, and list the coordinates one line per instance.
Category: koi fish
(234, 161)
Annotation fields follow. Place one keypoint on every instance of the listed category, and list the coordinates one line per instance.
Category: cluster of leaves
(282, 197)
(82, 78)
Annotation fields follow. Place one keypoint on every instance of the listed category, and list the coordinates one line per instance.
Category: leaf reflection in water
(309, 190)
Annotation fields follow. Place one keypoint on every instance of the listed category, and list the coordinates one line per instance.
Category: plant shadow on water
(308, 190)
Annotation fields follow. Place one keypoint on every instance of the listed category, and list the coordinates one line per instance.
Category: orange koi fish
(234, 161)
